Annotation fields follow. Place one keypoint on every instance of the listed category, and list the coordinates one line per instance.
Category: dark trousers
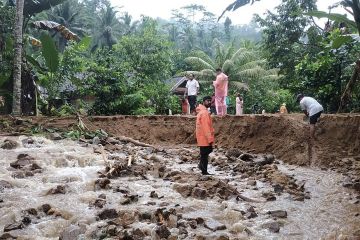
(192, 102)
(204, 157)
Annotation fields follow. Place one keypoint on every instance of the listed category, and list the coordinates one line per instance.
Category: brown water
(328, 214)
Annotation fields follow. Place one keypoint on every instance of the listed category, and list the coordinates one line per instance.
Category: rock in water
(45, 208)
(13, 226)
(199, 193)
(278, 213)
(233, 153)
(251, 182)
(4, 184)
(9, 144)
(108, 214)
(70, 233)
(111, 230)
(55, 136)
(96, 140)
(7, 236)
(214, 225)
(184, 190)
(60, 189)
(153, 194)
(268, 159)
(162, 232)
(272, 226)
(246, 157)
(99, 203)
(22, 161)
(102, 183)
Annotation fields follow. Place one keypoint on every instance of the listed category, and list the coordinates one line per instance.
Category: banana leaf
(235, 5)
(34, 42)
(50, 53)
(50, 25)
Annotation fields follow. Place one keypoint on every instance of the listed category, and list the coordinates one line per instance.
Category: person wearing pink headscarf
(221, 90)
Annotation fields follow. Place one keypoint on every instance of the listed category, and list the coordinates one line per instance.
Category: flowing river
(329, 212)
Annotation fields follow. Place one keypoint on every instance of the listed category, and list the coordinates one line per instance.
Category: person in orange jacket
(204, 133)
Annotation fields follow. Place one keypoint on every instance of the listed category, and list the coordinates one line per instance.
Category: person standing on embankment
(192, 90)
(239, 105)
(204, 133)
(221, 91)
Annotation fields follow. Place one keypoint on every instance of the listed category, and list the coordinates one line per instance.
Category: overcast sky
(162, 8)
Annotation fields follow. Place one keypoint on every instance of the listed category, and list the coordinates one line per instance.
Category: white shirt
(310, 105)
(192, 87)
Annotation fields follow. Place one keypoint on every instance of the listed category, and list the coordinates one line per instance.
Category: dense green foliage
(95, 52)
(316, 61)
(7, 16)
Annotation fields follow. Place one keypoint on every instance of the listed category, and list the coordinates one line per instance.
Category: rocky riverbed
(111, 188)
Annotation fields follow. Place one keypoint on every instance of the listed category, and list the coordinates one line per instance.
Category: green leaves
(340, 40)
(235, 5)
(32, 7)
(50, 53)
(84, 44)
(198, 63)
(332, 16)
(34, 63)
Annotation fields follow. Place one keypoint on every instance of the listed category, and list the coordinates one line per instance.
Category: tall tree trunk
(355, 5)
(16, 107)
(346, 96)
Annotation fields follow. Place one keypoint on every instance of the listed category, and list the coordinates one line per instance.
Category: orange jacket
(204, 128)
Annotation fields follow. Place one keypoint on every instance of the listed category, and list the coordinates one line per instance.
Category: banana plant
(49, 70)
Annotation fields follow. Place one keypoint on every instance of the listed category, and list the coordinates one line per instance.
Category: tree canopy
(91, 49)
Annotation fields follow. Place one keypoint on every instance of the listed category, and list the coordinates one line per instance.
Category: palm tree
(16, 108)
(242, 65)
(128, 25)
(108, 27)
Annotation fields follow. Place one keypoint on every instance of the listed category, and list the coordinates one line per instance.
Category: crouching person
(204, 133)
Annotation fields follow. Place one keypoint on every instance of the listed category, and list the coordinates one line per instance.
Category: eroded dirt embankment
(285, 136)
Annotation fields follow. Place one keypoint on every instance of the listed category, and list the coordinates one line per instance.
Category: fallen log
(135, 142)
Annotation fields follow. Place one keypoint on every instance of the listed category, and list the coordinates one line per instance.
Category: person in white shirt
(239, 105)
(312, 109)
(192, 90)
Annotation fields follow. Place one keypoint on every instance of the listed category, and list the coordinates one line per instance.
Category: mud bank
(285, 136)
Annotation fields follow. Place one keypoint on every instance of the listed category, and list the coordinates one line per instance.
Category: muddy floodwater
(117, 190)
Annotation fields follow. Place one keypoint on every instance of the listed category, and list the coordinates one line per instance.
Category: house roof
(175, 83)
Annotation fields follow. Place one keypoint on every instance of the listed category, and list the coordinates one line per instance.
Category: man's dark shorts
(314, 118)
(192, 102)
